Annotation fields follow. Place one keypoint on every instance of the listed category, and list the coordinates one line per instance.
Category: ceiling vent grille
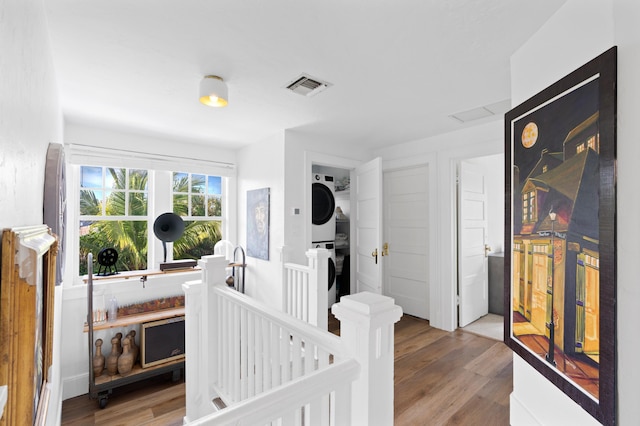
(498, 108)
(306, 85)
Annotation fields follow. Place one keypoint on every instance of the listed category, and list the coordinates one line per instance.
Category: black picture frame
(560, 234)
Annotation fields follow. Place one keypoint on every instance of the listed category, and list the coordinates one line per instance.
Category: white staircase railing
(304, 288)
(266, 366)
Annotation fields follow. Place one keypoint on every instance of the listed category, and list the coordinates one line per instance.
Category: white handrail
(283, 400)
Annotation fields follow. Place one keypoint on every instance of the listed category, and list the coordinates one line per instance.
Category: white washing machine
(323, 208)
(331, 285)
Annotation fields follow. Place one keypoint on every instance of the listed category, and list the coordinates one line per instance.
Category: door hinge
(458, 300)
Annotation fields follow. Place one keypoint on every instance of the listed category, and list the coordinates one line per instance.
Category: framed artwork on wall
(28, 272)
(560, 234)
(258, 223)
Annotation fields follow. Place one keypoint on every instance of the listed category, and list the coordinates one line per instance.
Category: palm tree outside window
(114, 212)
(197, 198)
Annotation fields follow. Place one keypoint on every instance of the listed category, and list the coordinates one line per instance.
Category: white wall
(301, 152)
(578, 32)
(626, 15)
(30, 118)
(261, 165)
(108, 138)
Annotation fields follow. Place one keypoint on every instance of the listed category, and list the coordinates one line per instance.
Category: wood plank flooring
(441, 378)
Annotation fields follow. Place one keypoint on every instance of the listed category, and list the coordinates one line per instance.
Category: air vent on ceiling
(306, 85)
(498, 108)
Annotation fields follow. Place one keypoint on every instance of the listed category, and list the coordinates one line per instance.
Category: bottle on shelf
(113, 309)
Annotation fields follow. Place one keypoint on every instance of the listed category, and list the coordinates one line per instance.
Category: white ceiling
(399, 69)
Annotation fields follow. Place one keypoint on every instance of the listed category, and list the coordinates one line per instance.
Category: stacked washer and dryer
(323, 218)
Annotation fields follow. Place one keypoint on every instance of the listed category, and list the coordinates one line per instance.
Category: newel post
(318, 288)
(213, 274)
(366, 329)
(196, 387)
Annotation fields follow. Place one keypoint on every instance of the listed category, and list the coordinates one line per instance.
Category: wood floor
(441, 378)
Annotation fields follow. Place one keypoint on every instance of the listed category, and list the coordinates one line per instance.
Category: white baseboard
(519, 414)
(75, 386)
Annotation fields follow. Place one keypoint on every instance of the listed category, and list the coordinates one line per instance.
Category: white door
(367, 184)
(406, 231)
(473, 287)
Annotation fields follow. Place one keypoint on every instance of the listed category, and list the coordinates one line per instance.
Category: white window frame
(160, 201)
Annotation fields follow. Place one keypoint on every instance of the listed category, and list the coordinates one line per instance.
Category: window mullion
(160, 201)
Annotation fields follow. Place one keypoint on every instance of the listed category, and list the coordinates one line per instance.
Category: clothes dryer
(323, 207)
(331, 284)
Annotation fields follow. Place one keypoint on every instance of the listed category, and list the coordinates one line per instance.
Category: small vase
(98, 360)
(135, 350)
(112, 359)
(125, 361)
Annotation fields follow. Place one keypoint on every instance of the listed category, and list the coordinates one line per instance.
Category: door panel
(406, 268)
(472, 235)
(368, 225)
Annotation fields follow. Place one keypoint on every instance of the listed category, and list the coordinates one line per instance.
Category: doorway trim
(447, 225)
(312, 158)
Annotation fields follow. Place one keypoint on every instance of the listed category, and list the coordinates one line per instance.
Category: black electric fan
(168, 227)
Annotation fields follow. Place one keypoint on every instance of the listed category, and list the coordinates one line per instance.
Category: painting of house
(555, 296)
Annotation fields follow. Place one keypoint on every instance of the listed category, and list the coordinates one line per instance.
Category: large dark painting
(560, 269)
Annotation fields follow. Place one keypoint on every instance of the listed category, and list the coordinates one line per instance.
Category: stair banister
(366, 340)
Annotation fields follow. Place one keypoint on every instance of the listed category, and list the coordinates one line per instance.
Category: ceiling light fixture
(213, 91)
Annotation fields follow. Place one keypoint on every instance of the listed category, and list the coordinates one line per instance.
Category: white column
(318, 287)
(366, 329)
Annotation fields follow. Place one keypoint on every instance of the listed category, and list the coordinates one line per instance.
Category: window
(580, 148)
(529, 213)
(197, 199)
(113, 213)
(116, 209)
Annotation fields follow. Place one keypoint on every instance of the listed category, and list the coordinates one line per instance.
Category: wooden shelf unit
(102, 386)
(140, 318)
(106, 379)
